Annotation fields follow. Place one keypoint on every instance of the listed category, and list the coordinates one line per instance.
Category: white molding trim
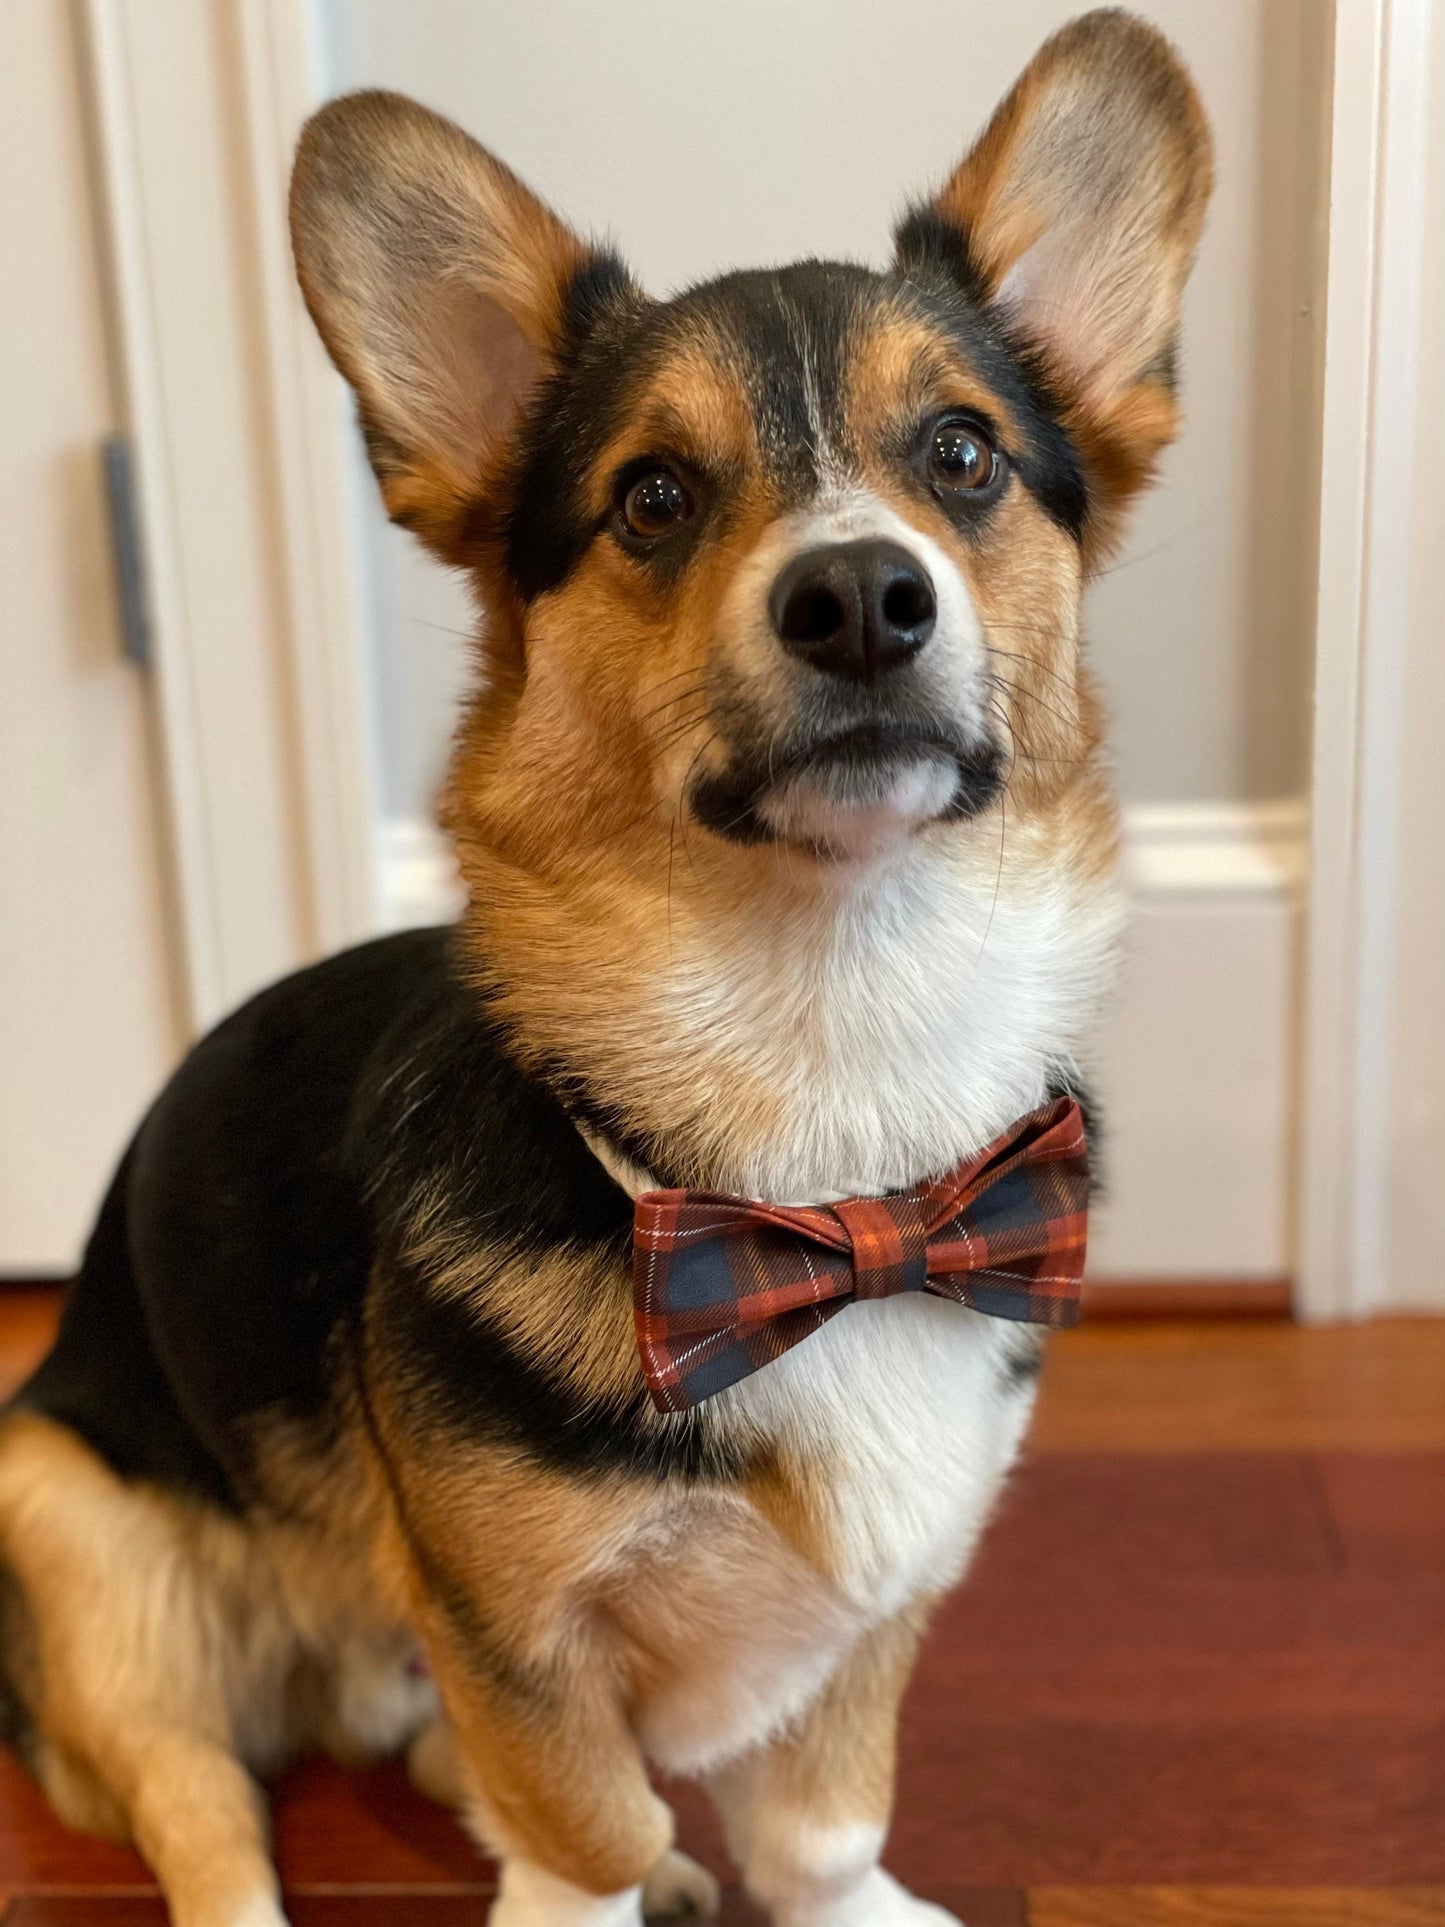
(243, 458)
(1372, 348)
(1198, 1069)
(128, 270)
(419, 880)
(1234, 849)
(314, 437)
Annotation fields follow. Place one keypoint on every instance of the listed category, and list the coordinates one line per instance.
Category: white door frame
(1377, 238)
(289, 698)
(240, 439)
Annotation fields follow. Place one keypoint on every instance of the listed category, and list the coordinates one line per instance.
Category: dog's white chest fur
(897, 1023)
(900, 1419)
(909, 1413)
(907, 1029)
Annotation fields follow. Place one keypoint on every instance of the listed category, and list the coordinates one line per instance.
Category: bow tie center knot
(890, 1245)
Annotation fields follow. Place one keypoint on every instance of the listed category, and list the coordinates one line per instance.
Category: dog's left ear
(1075, 219)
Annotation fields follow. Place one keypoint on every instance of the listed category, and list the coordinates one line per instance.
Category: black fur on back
(277, 1174)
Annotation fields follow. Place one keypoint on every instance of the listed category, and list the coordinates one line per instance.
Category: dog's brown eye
(962, 456)
(655, 503)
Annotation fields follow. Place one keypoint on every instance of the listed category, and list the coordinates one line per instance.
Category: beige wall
(710, 135)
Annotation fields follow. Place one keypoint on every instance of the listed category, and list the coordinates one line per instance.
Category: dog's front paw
(679, 1889)
(531, 1897)
(877, 1901)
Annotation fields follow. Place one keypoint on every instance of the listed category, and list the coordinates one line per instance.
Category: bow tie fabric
(722, 1286)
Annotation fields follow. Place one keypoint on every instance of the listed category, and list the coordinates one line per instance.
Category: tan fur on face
(693, 409)
(902, 371)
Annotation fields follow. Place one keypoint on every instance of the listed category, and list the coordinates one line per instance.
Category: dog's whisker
(1032, 696)
(1014, 655)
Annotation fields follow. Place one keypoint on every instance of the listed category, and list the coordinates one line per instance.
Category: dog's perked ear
(440, 285)
(1075, 219)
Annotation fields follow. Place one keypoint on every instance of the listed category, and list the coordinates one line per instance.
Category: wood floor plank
(1387, 1508)
(1017, 1801)
(1236, 1907)
(1197, 1515)
(28, 1317)
(336, 1827)
(415, 1907)
(36, 1851)
(1245, 1385)
(1130, 1588)
(85, 1910)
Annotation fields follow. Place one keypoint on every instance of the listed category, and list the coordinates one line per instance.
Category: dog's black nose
(854, 609)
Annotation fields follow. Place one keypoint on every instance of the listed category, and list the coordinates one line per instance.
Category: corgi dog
(785, 820)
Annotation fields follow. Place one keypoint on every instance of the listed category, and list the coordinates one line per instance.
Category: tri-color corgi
(786, 827)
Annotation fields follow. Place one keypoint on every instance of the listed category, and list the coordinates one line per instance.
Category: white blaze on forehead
(832, 471)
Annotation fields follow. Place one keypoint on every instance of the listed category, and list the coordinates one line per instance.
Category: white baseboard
(1198, 1069)
(1198, 1072)
(417, 875)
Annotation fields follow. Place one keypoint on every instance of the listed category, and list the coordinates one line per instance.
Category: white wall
(720, 134)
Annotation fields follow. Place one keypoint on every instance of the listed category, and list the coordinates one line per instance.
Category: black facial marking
(938, 249)
(981, 777)
(934, 254)
(729, 801)
(788, 332)
(783, 333)
(610, 337)
(600, 289)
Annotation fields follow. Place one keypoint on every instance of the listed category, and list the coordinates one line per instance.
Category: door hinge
(128, 548)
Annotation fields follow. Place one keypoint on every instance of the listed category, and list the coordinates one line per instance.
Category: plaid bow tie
(723, 1286)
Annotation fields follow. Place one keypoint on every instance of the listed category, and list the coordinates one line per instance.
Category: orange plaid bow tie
(722, 1286)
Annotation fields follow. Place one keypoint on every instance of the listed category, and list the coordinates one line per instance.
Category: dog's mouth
(847, 791)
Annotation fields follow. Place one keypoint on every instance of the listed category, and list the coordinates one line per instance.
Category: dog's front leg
(553, 1783)
(806, 1816)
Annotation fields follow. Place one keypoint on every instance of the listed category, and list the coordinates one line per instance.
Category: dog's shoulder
(235, 1235)
(501, 1312)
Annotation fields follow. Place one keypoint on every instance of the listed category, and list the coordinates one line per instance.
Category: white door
(88, 1016)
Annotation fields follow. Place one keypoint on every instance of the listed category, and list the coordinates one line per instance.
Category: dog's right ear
(441, 287)
(1074, 220)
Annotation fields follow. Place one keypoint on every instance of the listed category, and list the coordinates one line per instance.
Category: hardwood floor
(1196, 1679)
